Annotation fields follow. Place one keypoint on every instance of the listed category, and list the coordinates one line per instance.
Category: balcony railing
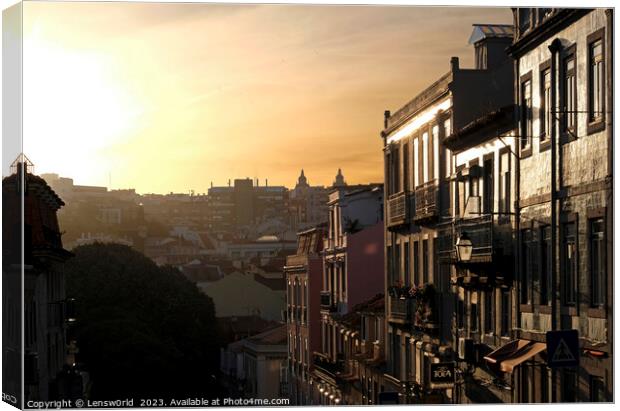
(426, 201)
(446, 241)
(480, 231)
(415, 312)
(402, 310)
(398, 208)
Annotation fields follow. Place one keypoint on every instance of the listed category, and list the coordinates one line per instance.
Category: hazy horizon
(169, 97)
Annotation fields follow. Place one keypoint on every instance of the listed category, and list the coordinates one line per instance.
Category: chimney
(229, 182)
(386, 117)
(454, 64)
(266, 184)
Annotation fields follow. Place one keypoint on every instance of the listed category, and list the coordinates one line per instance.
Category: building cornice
(555, 23)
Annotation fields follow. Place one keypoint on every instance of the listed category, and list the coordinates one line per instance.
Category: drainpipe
(554, 48)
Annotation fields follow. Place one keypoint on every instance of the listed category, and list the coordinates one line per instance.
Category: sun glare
(72, 103)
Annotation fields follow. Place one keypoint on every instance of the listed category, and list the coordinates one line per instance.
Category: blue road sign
(563, 348)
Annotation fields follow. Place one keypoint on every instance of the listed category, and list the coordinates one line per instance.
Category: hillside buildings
(304, 279)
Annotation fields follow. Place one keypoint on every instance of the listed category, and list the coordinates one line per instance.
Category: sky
(170, 97)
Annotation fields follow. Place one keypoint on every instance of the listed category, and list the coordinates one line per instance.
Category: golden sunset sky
(171, 97)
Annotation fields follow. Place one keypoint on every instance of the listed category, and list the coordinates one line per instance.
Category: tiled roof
(275, 336)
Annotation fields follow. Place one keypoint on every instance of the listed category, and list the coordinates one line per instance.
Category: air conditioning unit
(466, 349)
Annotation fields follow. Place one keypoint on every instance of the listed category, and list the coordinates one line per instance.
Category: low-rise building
(304, 279)
(352, 274)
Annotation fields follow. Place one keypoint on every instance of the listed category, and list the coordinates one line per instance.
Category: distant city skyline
(167, 97)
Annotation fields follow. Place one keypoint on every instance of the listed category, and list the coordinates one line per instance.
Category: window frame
(526, 118)
(573, 279)
(569, 134)
(545, 118)
(601, 305)
(596, 124)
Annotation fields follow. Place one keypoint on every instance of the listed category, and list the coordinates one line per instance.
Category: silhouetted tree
(143, 331)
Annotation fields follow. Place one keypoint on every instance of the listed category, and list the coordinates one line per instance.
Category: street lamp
(464, 248)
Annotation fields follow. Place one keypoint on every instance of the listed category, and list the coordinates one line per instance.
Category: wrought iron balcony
(426, 202)
(480, 231)
(420, 313)
(398, 209)
(402, 310)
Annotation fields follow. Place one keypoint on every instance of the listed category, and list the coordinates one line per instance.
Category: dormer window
(525, 17)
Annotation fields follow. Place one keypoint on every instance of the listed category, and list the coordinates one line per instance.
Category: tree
(144, 331)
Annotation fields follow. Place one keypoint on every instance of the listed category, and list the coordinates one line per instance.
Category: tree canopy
(143, 331)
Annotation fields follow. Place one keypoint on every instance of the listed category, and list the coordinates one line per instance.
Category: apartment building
(479, 247)
(419, 204)
(563, 87)
(357, 377)
(304, 279)
(352, 273)
(45, 311)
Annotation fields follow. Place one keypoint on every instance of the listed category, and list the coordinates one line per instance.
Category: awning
(514, 353)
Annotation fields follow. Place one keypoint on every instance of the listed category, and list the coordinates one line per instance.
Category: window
(596, 80)
(529, 279)
(460, 305)
(598, 272)
(543, 13)
(569, 269)
(397, 265)
(395, 171)
(396, 358)
(407, 265)
(416, 177)
(597, 389)
(407, 358)
(488, 312)
(568, 384)
(544, 384)
(405, 167)
(474, 312)
(526, 113)
(545, 266)
(435, 151)
(504, 186)
(425, 267)
(524, 20)
(425, 158)
(416, 263)
(488, 186)
(505, 313)
(569, 106)
(390, 264)
(545, 105)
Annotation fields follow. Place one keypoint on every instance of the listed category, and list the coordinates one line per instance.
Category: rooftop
(487, 31)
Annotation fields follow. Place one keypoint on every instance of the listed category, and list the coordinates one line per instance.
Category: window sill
(568, 310)
(568, 136)
(544, 309)
(525, 152)
(544, 145)
(597, 313)
(596, 126)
